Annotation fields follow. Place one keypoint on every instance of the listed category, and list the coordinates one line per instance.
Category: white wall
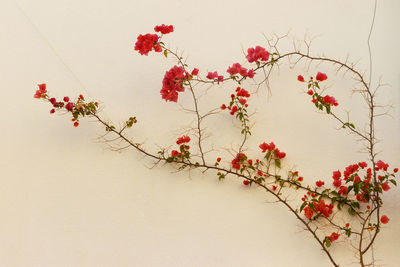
(68, 201)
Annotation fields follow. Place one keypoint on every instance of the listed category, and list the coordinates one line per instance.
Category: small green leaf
(303, 206)
(278, 163)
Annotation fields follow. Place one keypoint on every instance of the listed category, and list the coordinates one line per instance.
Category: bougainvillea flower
(164, 29)
(172, 84)
(321, 76)
(384, 219)
(146, 43)
(257, 53)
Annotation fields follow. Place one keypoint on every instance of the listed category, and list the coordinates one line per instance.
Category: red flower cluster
(318, 207)
(164, 29)
(242, 92)
(330, 100)
(184, 149)
(257, 53)
(264, 146)
(195, 71)
(238, 160)
(321, 77)
(183, 139)
(333, 237)
(385, 186)
(380, 165)
(214, 75)
(319, 183)
(146, 43)
(237, 68)
(384, 219)
(42, 90)
(342, 190)
(271, 148)
(238, 99)
(172, 83)
(349, 170)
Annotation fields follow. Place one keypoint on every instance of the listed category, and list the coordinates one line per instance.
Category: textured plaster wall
(65, 200)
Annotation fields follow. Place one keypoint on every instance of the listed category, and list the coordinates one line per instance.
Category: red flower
(310, 92)
(385, 186)
(237, 68)
(41, 91)
(380, 165)
(164, 29)
(384, 219)
(319, 183)
(223, 107)
(321, 76)
(195, 71)
(251, 73)
(146, 43)
(333, 237)
(52, 111)
(308, 212)
(300, 179)
(53, 101)
(395, 170)
(172, 84)
(254, 54)
(343, 190)
(242, 92)
(323, 208)
(330, 100)
(337, 182)
(264, 146)
(234, 109)
(246, 182)
(183, 139)
(42, 87)
(362, 165)
(69, 106)
(212, 75)
(347, 225)
(218, 159)
(274, 187)
(175, 153)
(76, 124)
(238, 160)
(336, 175)
(300, 78)
(66, 99)
(281, 155)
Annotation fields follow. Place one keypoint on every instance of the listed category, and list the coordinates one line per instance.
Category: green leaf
(393, 182)
(303, 206)
(349, 189)
(328, 243)
(355, 205)
(278, 163)
(351, 211)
